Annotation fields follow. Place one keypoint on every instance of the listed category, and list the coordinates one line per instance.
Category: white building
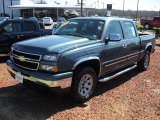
(27, 8)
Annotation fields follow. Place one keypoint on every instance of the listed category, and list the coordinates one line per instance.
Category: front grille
(27, 55)
(26, 60)
(25, 64)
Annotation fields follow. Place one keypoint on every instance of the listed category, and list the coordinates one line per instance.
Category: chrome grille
(26, 60)
(27, 55)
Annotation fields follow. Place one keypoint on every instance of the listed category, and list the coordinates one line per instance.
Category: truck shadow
(158, 45)
(18, 102)
(103, 87)
(3, 59)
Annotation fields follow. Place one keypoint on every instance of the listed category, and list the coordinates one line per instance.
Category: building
(27, 8)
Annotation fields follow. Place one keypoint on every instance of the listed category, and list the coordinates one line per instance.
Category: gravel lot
(132, 96)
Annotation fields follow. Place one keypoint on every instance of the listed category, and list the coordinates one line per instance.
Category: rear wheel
(84, 84)
(144, 63)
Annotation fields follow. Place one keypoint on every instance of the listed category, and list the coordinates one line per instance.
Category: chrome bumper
(63, 83)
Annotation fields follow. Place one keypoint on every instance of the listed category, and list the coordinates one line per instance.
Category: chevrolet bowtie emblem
(21, 58)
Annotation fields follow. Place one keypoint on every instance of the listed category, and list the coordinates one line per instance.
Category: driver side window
(114, 27)
(13, 27)
(8, 27)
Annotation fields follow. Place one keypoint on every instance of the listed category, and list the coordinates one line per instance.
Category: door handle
(125, 45)
(19, 36)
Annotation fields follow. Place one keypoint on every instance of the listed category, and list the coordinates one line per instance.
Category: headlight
(49, 68)
(50, 57)
(11, 51)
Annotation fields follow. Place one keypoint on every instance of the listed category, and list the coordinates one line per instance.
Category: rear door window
(157, 18)
(129, 30)
(29, 26)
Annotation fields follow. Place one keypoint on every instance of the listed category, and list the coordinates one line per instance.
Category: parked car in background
(149, 24)
(47, 21)
(4, 18)
(12, 31)
(81, 53)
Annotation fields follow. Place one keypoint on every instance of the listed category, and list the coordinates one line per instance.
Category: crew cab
(12, 31)
(149, 24)
(82, 52)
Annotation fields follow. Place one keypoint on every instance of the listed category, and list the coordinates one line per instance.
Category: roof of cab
(102, 18)
(20, 20)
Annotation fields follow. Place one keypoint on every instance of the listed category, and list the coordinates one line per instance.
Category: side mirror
(2, 30)
(114, 37)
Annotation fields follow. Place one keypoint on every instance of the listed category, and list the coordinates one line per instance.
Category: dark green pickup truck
(82, 52)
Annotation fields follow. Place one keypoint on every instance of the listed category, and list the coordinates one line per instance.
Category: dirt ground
(132, 96)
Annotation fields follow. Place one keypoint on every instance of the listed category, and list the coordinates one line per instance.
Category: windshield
(87, 28)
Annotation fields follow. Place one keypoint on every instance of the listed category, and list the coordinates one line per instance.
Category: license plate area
(19, 77)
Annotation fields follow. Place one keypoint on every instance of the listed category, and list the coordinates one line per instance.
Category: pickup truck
(12, 31)
(82, 52)
(149, 24)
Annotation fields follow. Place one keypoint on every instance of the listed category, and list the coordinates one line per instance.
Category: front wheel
(144, 63)
(146, 26)
(84, 84)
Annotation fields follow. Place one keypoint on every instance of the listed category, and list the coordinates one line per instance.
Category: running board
(117, 74)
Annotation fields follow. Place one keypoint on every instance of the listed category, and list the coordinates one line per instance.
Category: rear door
(131, 42)
(30, 30)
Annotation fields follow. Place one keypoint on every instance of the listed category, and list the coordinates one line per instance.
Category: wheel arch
(149, 47)
(93, 62)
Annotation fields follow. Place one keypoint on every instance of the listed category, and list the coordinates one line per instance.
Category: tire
(147, 26)
(143, 64)
(84, 84)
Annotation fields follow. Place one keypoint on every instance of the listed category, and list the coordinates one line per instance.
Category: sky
(118, 4)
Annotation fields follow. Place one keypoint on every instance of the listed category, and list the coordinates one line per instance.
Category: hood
(52, 44)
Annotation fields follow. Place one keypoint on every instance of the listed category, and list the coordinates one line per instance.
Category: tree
(41, 2)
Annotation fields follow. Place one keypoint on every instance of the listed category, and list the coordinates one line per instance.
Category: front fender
(81, 60)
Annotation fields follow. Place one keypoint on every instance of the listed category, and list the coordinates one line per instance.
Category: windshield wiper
(75, 35)
(72, 35)
(56, 34)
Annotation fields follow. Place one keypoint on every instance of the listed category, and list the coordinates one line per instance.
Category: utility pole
(11, 9)
(3, 7)
(98, 4)
(123, 5)
(103, 4)
(137, 10)
(81, 8)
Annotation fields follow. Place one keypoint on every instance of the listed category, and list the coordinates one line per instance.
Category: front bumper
(62, 80)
